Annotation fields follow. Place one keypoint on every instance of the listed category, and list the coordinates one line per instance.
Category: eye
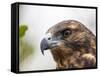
(67, 32)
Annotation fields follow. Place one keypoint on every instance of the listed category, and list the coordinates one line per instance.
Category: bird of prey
(71, 44)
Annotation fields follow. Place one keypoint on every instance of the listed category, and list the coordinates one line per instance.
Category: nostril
(49, 38)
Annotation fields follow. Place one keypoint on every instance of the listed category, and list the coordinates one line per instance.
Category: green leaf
(22, 30)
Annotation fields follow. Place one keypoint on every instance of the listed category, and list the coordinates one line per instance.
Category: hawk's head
(67, 38)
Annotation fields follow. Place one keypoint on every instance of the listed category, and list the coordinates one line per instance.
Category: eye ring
(67, 32)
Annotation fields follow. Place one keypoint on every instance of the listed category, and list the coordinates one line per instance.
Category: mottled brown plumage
(75, 45)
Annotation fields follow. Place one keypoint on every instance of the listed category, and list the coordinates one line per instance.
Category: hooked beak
(44, 45)
(48, 43)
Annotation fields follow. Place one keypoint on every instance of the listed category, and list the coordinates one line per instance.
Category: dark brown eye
(67, 32)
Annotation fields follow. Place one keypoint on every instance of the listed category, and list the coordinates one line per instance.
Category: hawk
(71, 44)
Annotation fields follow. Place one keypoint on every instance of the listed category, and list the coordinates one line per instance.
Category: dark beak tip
(42, 53)
(42, 50)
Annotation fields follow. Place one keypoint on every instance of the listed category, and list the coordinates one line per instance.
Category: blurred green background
(25, 49)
